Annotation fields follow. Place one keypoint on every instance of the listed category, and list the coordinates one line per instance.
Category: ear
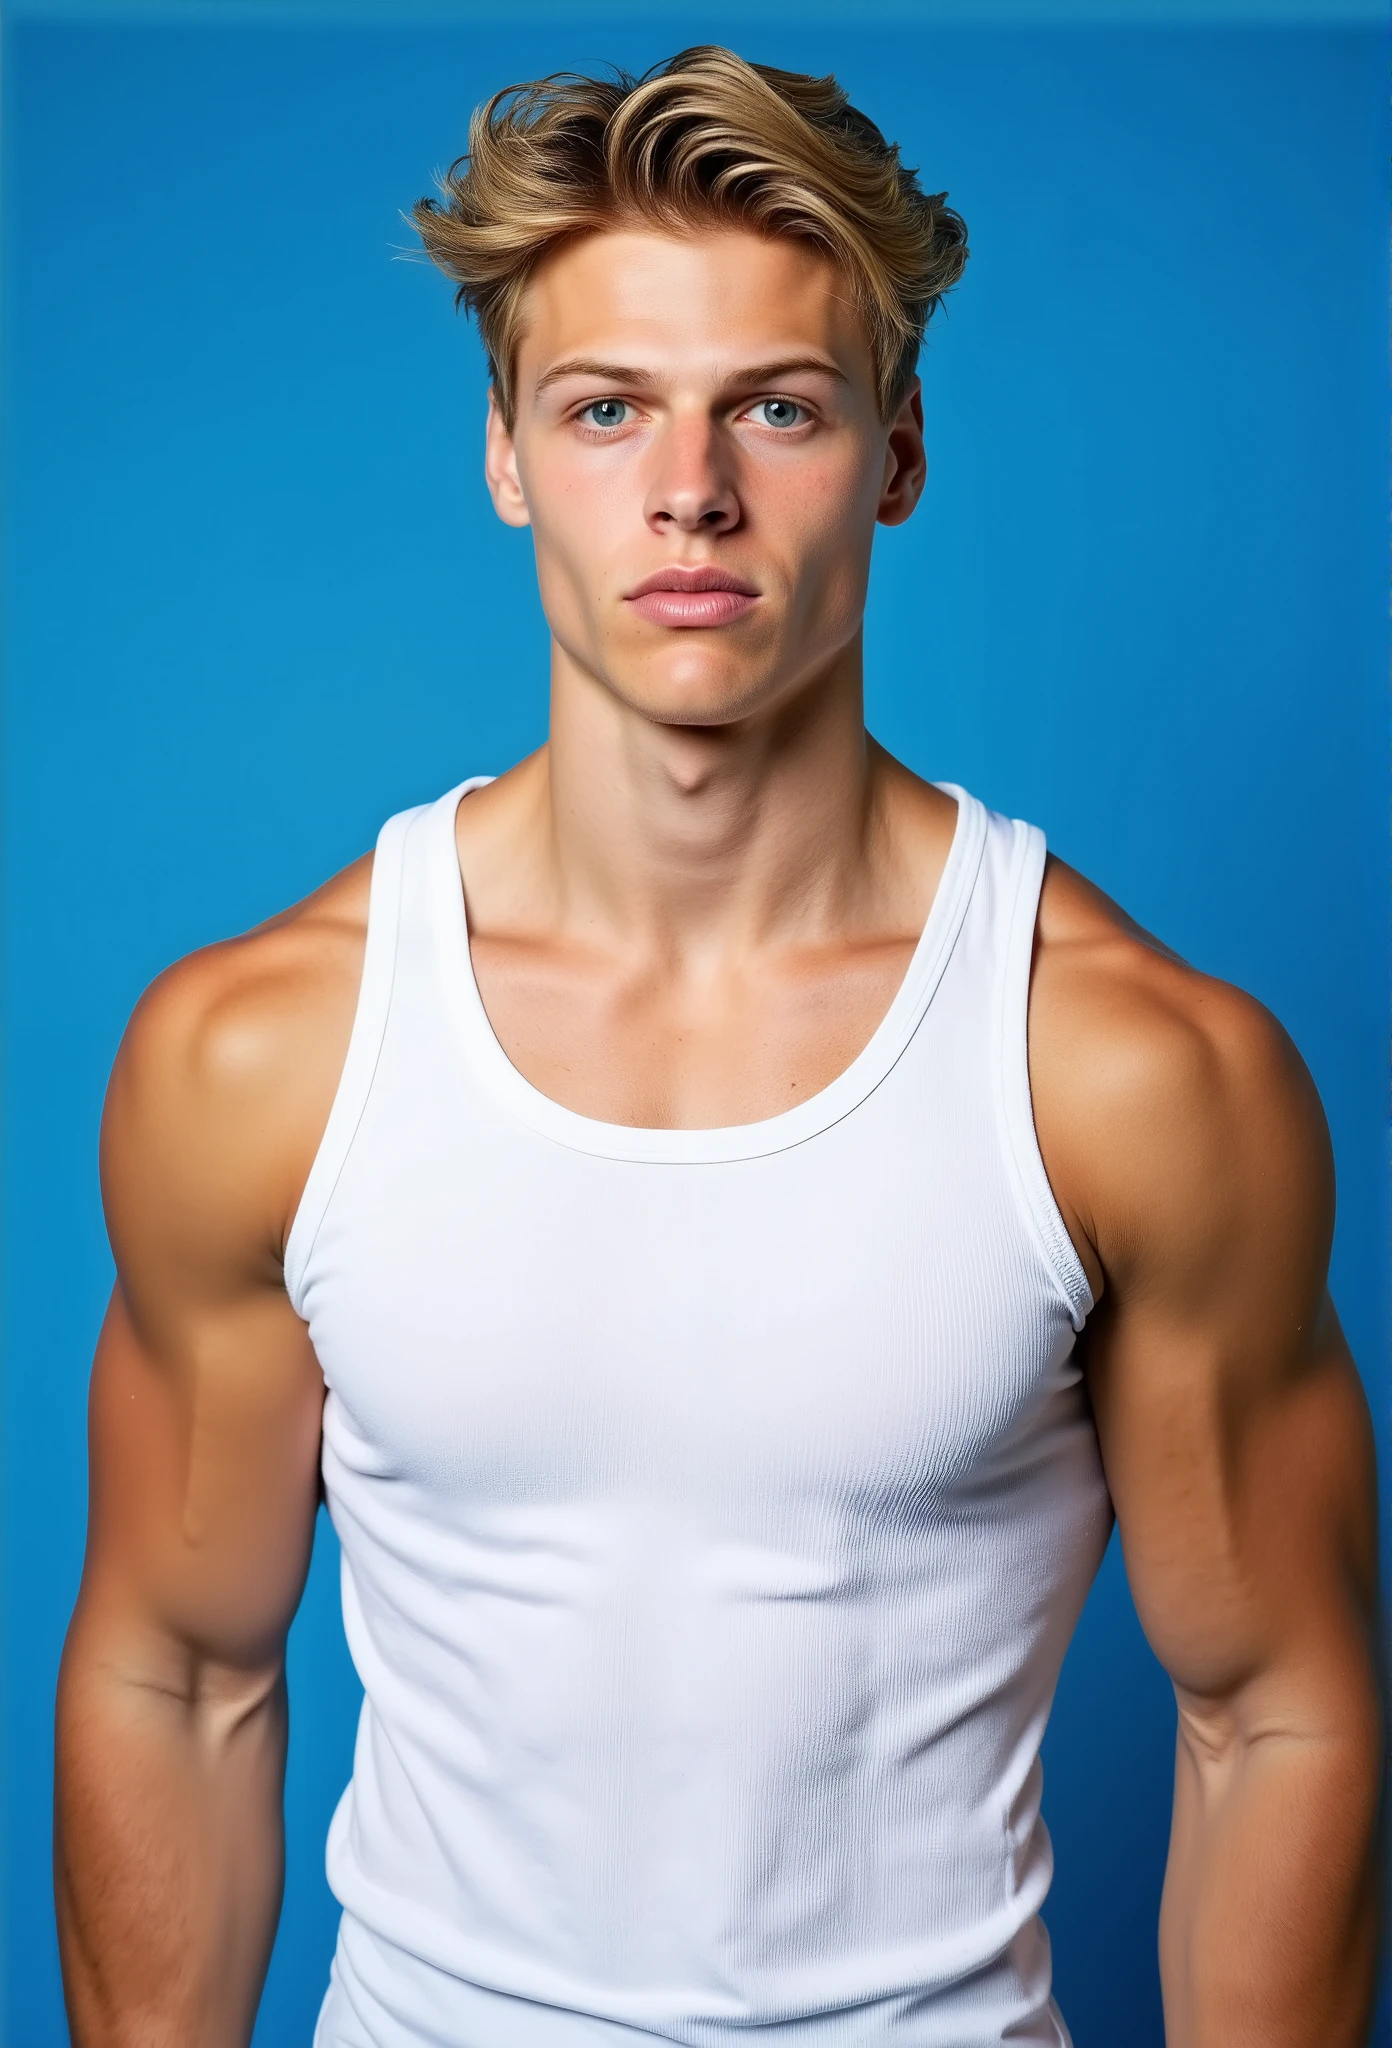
(906, 464)
(500, 470)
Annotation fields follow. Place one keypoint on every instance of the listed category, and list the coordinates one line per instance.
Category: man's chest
(652, 1045)
(856, 1316)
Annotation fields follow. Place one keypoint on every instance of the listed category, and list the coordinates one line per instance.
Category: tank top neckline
(513, 1093)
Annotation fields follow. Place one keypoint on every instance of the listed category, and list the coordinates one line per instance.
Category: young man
(754, 1221)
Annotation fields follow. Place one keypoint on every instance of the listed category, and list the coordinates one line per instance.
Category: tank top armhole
(1036, 1197)
(364, 1049)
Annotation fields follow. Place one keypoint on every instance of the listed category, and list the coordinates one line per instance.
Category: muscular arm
(1187, 1141)
(204, 1437)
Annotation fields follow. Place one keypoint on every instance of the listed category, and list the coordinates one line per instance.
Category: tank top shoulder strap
(1014, 859)
(400, 895)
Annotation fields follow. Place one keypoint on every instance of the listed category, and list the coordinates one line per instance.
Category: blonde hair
(703, 140)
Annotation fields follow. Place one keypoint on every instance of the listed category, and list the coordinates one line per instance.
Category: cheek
(822, 521)
(582, 512)
(818, 508)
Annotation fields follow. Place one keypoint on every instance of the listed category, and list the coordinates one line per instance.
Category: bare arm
(1188, 1138)
(204, 1438)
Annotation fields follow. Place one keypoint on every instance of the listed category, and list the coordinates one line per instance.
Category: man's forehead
(717, 300)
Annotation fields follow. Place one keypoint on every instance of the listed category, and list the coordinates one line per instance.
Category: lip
(693, 597)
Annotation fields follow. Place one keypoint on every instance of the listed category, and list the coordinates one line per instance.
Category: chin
(705, 679)
(695, 700)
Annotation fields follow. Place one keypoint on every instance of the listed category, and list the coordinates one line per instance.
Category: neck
(678, 836)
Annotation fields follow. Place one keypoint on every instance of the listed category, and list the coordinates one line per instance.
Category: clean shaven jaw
(699, 451)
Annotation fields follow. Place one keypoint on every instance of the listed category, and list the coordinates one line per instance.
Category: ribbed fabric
(715, 1509)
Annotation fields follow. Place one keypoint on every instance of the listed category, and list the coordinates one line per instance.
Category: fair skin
(692, 907)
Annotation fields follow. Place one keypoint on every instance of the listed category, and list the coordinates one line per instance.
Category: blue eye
(779, 412)
(606, 412)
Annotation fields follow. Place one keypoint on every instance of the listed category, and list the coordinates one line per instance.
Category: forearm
(169, 1848)
(1268, 1927)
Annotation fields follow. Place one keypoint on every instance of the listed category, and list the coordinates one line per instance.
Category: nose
(693, 486)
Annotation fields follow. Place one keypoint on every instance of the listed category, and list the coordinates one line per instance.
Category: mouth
(693, 597)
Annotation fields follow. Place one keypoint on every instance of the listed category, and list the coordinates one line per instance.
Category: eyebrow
(643, 380)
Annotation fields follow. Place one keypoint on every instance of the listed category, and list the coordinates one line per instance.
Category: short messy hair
(704, 140)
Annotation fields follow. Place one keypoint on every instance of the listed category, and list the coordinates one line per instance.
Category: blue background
(257, 601)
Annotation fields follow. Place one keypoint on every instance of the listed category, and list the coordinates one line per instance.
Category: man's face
(694, 410)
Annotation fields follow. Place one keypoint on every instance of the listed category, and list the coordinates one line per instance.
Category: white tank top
(715, 1508)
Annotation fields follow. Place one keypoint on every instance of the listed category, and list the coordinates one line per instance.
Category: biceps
(1245, 1505)
(204, 1478)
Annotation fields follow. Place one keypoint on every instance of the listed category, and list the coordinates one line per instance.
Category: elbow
(118, 1670)
(1321, 1727)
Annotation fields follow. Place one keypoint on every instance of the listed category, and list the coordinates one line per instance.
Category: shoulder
(229, 1012)
(1176, 1118)
(226, 1074)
